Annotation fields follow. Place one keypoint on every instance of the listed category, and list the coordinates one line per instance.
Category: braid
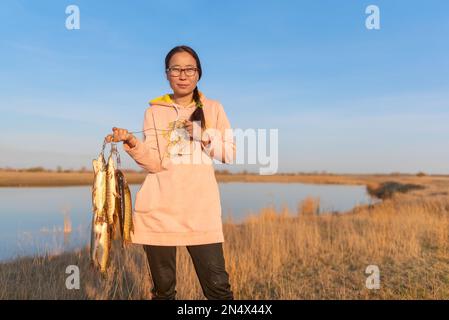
(198, 114)
(196, 98)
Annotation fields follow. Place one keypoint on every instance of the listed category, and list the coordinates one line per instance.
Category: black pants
(209, 263)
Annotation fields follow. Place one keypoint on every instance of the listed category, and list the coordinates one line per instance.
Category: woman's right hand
(120, 134)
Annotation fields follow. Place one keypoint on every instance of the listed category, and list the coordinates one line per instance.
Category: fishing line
(113, 151)
(151, 134)
(150, 129)
(174, 124)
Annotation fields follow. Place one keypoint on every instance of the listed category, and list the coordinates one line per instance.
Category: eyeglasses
(176, 71)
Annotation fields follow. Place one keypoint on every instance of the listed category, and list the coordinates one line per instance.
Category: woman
(179, 202)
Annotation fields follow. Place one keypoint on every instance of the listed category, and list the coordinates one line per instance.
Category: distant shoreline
(62, 179)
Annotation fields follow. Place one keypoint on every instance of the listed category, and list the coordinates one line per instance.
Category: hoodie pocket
(148, 195)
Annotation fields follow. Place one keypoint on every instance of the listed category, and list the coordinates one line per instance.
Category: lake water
(32, 219)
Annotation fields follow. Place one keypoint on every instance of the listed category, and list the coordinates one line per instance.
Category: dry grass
(281, 255)
(309, 206)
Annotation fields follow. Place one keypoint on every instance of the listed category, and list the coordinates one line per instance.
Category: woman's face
(182, 83)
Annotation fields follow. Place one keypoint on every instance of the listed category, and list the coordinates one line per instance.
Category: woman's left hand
(188, 125)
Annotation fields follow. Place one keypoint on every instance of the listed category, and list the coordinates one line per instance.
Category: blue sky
(344, 98)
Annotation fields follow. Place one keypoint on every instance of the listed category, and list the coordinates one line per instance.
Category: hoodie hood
(167, 100)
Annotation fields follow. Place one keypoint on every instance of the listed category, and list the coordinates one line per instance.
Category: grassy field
(283, 255)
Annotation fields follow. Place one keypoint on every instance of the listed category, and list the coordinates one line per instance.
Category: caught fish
(125, 216)
(121, 207)
(116, 227)
(98, 205)
(99, 187)
(104, 245)
(111, 192)
(128, 225)
(112, 210)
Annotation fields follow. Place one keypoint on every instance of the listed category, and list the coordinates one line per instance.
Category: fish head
(99, 164)
(95, 165)
(101, 161)
(111, 162)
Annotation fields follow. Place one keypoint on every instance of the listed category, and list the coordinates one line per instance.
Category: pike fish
(111, 192)
(125, 216)
(104, 245)
(98, 205)
(128, 225)
(112, 211)
(99, 186)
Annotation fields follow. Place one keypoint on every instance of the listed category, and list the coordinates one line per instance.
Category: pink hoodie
(178, 204)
